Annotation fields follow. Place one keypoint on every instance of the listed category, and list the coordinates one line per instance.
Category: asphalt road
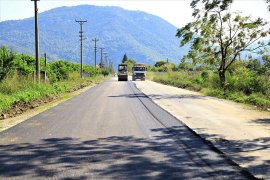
(111, 131)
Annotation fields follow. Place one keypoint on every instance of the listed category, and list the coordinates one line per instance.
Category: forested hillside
(144, 37)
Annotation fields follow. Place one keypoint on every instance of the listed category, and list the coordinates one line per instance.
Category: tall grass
(22, 89)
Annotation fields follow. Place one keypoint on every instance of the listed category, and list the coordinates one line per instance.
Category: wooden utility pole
(105, 55)
(101, 57)
(36, 42)
(81, 39)
(45, 72)
(95, 48)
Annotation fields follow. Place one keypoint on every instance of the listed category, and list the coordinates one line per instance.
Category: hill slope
(144, 37)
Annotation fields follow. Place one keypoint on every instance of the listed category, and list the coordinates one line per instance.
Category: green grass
(207, 83)
(15, 89)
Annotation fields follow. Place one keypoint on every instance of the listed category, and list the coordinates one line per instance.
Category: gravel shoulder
(239, 131)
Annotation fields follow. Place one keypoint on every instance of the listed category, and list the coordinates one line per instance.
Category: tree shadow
(245, 152)
(172, 153)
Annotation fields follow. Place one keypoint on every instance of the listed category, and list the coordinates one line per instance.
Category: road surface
(111, 131)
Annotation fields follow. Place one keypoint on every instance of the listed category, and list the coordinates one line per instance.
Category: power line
(81, 22)
(95, 48)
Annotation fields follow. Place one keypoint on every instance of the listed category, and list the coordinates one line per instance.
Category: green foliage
(24, 64)
(163, 66)
(160, 63)
(244, 85)
(91, 70)
(17, 84)
(17, 89)
(266, 60)
(130, 63)
(105, 71)
(218, 37)
(205, 75)
(59, 70)
(6, 62)
(184, 65)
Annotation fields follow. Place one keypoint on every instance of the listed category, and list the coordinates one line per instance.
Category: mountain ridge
(144, 37)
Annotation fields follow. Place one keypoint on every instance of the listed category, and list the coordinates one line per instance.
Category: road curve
(110, 131)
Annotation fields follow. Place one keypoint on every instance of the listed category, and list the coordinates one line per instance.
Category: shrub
(6, 62)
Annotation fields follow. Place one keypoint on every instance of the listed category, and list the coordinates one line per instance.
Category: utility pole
(105, 58)
(36, 42)
(101, 57)
(81, 39)
(45, 72)
(110, 66)
(95, 48)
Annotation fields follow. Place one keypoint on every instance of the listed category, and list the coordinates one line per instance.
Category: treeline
(17, 84)
(24, 66)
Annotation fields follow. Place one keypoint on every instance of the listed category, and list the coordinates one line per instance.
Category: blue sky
(176, 12)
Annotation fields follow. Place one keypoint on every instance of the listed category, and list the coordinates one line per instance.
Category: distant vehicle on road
(122, 72)
(138, 72)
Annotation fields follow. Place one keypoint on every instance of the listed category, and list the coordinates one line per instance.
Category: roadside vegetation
(17, 84)
(248, 81)
(228, 57)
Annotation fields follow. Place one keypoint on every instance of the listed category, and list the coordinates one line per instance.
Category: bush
(205, 75)
(6, 62)
(105, 71)
(24, 64)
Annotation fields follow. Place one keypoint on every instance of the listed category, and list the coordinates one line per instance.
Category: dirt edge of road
(211, 144)
(22, 112)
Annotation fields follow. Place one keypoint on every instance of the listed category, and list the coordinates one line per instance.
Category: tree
(185, 65)
(125, 58)
(268, 2)
(6, 62)
(266, 60)
(130, 63)
(160, 63)
(218, 37)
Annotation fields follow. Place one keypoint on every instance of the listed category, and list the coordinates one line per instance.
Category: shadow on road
(113, 157)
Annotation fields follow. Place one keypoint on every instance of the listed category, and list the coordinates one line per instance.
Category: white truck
(138, 72)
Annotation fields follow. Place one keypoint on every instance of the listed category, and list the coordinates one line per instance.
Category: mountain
(144, 37)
